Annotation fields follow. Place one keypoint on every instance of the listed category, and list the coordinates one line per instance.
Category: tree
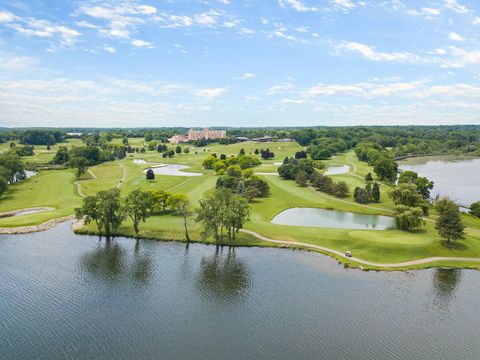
(242, 151)
(186, 150)
(138, 206)
(300, 155)
(361, 195)
(301, 178)
(369, 177)
(125, 141)
(80, 163)
(257, 152)
(89, 211)
(159, 201)
(376, 192)
(407, 194)
(3, 185)
(386, 169)
(150, 175)
(449, 223)
(408, 218)
(407, 177)
(423, 184)
(110, 210)
(180, 205)
(222, 211)
(475, 209)
(341, 189)
(178, 149)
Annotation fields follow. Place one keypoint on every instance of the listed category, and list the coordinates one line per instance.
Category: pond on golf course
(66, 296)
(457, 178)
(323, 218)
(172, 170)
(337, 169)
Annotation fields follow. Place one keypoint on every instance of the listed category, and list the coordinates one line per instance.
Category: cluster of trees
(222, 213)
(27, 150)
(108, 210)
(41, 137)
(266, 154)
(325, 184)
(222, 164)
(410, 206)
(291, 167)
(11, 170)
(381, 159)
(81, 157)
(403, 140)
(368, 194)
(323, 148)
(243, 183)
(423, 184)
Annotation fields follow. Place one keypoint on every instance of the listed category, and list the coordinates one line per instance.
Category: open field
(57, 189)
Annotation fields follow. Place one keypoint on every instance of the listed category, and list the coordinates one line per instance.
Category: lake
(455, 178)
(173, 170)
(323, 218)
(70, 296)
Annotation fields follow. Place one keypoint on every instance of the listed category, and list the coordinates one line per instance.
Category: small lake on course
(322, 218)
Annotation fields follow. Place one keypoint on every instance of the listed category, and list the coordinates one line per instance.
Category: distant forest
(321, 142)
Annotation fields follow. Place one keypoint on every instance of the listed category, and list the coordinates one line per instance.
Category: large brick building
(198, 135)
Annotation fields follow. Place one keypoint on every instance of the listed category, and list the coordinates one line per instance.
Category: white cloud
(6, 16)
(142, 43)
(281, 88)
(455, 6)
(427, 12)
(297, 5)
(210, 94)
(109, 49)
(15, 63)
(246, 76)
(455, 37)
(343, 5)
(476, 21)
(458, 57)
(370, 53)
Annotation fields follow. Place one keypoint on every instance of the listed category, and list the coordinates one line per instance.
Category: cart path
(360, 261)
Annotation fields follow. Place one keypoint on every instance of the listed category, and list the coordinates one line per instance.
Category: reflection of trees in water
(223, 276)
(111, 262)
(445, 283)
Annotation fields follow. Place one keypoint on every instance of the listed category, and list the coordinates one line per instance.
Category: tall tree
(110, 210)
(376, 192)
(138, 207)
(180, 205)
(408, 218)
(449, 223)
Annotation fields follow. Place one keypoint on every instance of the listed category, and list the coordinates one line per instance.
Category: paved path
(360, 261)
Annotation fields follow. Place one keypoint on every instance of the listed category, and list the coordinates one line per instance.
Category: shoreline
(353, 262)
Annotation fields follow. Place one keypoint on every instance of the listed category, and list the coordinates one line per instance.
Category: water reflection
(111, 262)
(445, 284)
(223, 276)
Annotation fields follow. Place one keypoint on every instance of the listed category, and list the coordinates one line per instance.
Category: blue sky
(239, 63)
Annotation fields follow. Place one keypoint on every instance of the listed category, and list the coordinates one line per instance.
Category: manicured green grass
(57, 189)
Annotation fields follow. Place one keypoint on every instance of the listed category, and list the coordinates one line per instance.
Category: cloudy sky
(239, 63)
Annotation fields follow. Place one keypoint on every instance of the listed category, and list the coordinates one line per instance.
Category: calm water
(457, 179)
(337, 170)
(173, 170)
(332, 219)
(65, 296)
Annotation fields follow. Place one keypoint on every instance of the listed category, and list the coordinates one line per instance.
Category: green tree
(160, 201)
(407, 177)
(449, 223)
(386, 169)
(80, 163)
(3, 185)
(125, 141)
(150, 174)
(408, 218)
(110, 210)
(407, 194)
(89, 211)
(369, 177)
(178, 149)
(341, 189)
(180, 205)
(138, 206)
(301, 178)
(376, 192)
(475, 209)
(242, 152)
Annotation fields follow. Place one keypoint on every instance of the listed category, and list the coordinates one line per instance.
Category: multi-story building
(198, 135)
